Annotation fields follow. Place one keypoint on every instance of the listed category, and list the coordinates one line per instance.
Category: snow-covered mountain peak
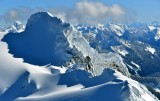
(49, 40)
(117, 28)
(17, 23)
(151, 28)
(43, 39)
(46, 17)
(16, 27)
(101, 26)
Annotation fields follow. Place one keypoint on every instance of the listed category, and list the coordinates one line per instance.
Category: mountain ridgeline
(138, 44)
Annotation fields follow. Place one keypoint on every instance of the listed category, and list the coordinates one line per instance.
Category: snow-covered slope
(111, 85)
(117, 29)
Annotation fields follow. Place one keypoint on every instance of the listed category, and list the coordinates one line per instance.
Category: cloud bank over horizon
(84, 12)
(94, 12)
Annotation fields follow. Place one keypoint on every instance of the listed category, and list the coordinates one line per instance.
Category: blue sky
(142, 10)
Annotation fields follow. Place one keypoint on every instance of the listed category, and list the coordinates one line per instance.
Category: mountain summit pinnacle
(39, 43)
(49, 40)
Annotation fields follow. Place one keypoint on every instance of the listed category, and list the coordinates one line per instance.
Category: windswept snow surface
(111, 85)
(62, 80)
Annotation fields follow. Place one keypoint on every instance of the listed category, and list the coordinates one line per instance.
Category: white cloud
(117, 10)
(84, 12)
(91, 9)
(94, 12)
(12, 14)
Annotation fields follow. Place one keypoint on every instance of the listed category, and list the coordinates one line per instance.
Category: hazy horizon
(83, 11)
